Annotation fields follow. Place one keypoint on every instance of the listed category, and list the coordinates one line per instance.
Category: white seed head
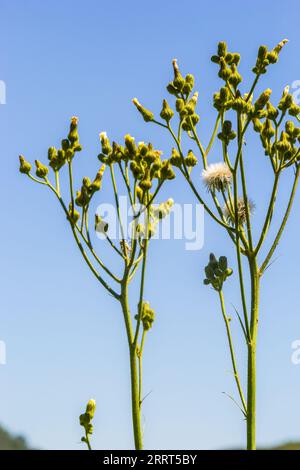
(217, 177)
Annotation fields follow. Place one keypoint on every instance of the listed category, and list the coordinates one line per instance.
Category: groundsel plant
(226, 182)
(142, 172)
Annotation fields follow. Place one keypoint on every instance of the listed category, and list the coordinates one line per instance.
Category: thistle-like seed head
(217, 177)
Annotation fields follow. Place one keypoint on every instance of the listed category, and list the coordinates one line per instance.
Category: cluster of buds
(57, 158)
(228, 62)
(217, 272)
(89, 188)
(145, 161)
(85, 419)
(227, 134)
(180, 86)
(186, 110)
(147, 316)
(265, 57)
(190, 160)
(69, 146)
(284, 148)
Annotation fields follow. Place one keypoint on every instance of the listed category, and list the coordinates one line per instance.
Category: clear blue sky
(65, 338)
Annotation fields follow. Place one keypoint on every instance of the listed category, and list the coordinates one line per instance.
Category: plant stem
(232, 354)
(251, 394)
(134, 376)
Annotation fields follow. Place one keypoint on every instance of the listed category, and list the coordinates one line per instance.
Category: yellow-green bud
(257, 125)
(178, 81)
(147, 115)
(263, 99)
(41, 170)
(106, 147)
(73, 134)
(91, 408)
(191, 159)
(25, 166)
(222, 49)
(175, 158)
(188, 84)
(74, 215)
(166, 113)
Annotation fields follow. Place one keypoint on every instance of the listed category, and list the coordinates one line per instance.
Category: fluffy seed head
(241, 209)
(217, 177)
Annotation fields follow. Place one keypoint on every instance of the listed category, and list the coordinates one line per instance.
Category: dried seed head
(217, 177)
(228, 211)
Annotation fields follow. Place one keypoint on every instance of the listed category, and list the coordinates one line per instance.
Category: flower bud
(166, 113)
(147, 115)
(190, 159)
(41, 170)
(73, 134)
(175, 158)
(106, 147)
(130, 144)
(25, 166)
(91, 408)
(188, 84)
(73, 215)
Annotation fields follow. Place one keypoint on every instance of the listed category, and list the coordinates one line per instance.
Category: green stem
(232, 354)
(134, 376)
(283, 223)
(251, 394)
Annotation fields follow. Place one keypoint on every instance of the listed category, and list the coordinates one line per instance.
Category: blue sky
(65, 337)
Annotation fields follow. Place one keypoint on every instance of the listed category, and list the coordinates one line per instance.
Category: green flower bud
(178, 81)
(227, 133)
(294, 110)
(105, 144)
(166, 113)
(147, 115)
(235, 78)
(283, 145)
(73, 215)
(191, 159)
(147, 316)
(286, 102)
(263, 99)
(145, 184)
(65, 144)
(222, 49)
(166, 171)
(73, 134)
(130, 144)
(191, 105)
(272, 111)
(41, 170)
(216, 272)
(224, 71)
(175, 158)
(257, 125)
(91, 408)
(268, 130)
(96, 184)
(25, 166)
(189, 84)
